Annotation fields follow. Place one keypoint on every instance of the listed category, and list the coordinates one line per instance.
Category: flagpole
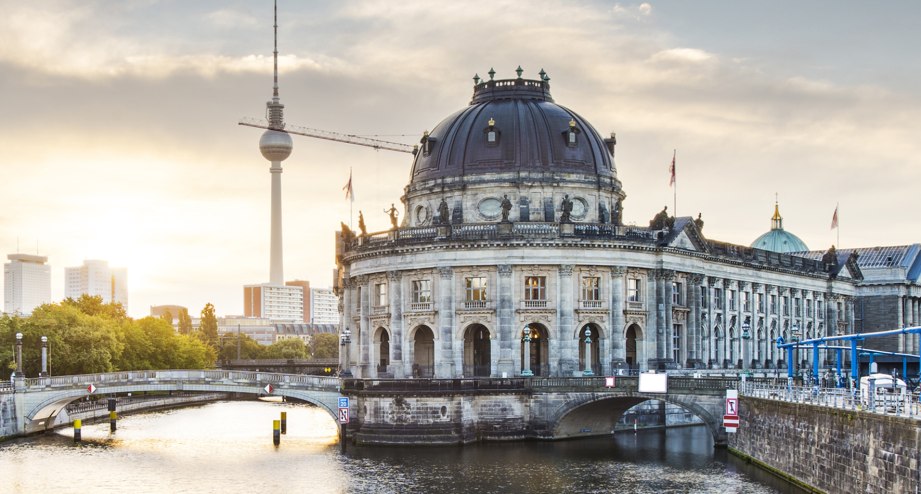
(838, 233)
(351, 198)
(675, 190)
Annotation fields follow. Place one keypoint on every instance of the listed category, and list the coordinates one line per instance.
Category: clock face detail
(490, 208)
(423, 215)
(579, 207)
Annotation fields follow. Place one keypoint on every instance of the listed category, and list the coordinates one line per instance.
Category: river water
(226, 447)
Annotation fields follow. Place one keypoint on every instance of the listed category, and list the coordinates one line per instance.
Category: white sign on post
(732, 406)
(343, 415)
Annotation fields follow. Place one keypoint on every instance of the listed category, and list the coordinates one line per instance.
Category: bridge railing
(183, 375)
(905, 405)
(707, 385)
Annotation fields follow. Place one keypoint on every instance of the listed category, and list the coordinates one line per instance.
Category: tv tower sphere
(275, 145)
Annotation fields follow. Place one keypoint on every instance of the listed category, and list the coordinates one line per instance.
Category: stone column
(395, 302)
(727, 341)
(444, 356)
(668, 277)
(345, 317)
(693, 329)
(902, 315)
(361, 342)
(618, 351)
(567, 346)
(833, 316)
(509, 336)
(661, 321)
(710, 343)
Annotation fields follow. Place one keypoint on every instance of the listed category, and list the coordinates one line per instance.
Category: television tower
(276, 146)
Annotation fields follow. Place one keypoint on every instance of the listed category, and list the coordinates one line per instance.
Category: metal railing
(185, 376)
(904, 405)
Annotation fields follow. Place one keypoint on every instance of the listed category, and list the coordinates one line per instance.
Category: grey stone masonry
(836, 451)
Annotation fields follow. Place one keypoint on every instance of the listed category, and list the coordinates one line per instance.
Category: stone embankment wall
(7, 415)
(836, 451)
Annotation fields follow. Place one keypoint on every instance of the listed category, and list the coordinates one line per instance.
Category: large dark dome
(531, 135)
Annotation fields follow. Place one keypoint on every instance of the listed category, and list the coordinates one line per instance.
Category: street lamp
(526, 371)
(19, 355)
(44, 372)
(345, 342)
(588, 354)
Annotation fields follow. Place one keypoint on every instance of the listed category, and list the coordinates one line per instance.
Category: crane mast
(333, 136)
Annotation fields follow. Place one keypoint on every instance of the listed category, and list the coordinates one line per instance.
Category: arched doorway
(594, 358)
(538, 350)
(634, 346)
(423, 352)
(477, 359)
(382, 345)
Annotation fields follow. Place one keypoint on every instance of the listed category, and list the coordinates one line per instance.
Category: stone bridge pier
(457, 411)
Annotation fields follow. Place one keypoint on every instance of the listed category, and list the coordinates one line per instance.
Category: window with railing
(421, 296)
(677, 293)
(591, 292)
(475, 292)
(535, 291)
(633, 290)
(718, 298)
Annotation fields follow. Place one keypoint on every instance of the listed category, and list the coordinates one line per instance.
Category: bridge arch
(595, 415)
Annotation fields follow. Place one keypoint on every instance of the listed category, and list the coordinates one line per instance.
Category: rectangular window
(422, 291)
(703, 297)
(818, 308)
(760, 301)
(633, 290)
(718, 298)
(809, 308)
(785, 305)
(676, 343)
(591, 289)
(746, 301)
(732, 300)
(798, 307)
(475, 289)
(677, 293)
(840, 311)
(773, 304)
(380, 294)
(535, 288)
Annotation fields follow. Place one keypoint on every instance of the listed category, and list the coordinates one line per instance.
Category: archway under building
(423, 352)
(382, 346)
(477, 351)
(633, 346)
(593, 361)
(538, 350)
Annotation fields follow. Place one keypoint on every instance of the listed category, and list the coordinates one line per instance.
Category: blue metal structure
(822, 344)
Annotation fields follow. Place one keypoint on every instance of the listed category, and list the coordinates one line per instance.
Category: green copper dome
(778, 239)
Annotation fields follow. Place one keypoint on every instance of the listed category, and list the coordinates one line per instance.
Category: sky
(119, 136)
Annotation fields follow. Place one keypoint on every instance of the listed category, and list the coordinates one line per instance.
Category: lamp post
(526, 364)
(345, 341)
(19, 373)
(746, 337)
(588, 354)
(44, 372)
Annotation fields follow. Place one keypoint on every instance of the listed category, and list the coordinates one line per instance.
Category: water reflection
(227, 447)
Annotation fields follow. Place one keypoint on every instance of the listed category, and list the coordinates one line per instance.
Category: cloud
(232, 19)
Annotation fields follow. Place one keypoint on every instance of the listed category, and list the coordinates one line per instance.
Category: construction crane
(333, 136)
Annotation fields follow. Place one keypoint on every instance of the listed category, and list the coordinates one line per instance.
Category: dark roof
(532, 136)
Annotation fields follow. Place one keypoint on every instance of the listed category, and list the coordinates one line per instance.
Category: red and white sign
(268, 389)
(730, 420)
(343, 415)
(91, 389)
(732, 406)
(609, 382)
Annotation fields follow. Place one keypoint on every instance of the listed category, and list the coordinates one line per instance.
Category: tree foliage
(291, 348)
(185, 321)
(87, 336)
(207, 329)
(249, 348)
(324, 345)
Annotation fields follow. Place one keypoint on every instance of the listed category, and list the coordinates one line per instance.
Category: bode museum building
(512, 259)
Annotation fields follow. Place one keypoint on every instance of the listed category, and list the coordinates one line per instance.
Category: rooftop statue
(393, 213)
(443, 214)
(662, 220)
(617, 214)
(506, 207)
(361, 224)
(699, 222)
(567, 210)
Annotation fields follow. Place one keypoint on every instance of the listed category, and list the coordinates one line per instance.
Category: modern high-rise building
(305, 290)
(275, 302)
(324, 306)
(96, 278)
(26, 283)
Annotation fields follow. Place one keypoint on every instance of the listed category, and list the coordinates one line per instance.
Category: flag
(834, 218)
(671, 171)
(349, 193)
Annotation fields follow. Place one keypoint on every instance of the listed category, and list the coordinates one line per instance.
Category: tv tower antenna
(276, 145)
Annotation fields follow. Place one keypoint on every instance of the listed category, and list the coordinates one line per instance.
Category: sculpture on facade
(443, 214)
(699, 222)
(662, 220)
(361, 224)
(830, 259)
(506, 208)
(617, 214)
(566, 206)
(393, 213)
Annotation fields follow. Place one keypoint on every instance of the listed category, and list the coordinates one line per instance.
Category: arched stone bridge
(38, 400)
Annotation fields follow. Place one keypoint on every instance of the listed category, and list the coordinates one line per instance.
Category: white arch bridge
(393, 411)
(38, 400)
